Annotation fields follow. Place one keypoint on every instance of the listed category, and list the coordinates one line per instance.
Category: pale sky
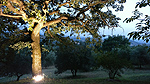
(129, 6)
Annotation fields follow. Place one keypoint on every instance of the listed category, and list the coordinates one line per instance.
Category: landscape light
(38, 78)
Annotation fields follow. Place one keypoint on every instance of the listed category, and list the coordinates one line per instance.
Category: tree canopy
(80, 16)
(114, 42)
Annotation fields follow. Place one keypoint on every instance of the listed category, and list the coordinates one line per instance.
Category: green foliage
(13, 63)
(49, 59)
(75, 57)
(114, 56)
(21, 45)
(140, 55)
(113, 63)
(125, 53)
(115, 42)
(19, 65)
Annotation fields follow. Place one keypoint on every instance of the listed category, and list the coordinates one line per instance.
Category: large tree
(81, 16)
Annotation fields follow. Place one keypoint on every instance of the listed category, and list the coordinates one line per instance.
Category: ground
(94, 77)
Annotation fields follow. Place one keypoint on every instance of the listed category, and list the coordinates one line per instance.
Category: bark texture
(36, 55)
(36, 50)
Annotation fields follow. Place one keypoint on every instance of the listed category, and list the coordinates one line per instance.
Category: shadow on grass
(74, 77)
(140, 78)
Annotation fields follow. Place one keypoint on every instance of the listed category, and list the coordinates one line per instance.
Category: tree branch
(54, 21)
(38, 27)
(12, 8)
(83, 25)
(53, 12)
(49, 32)
(65, 4)
(103, 19)
(99, 2)
(12, 16)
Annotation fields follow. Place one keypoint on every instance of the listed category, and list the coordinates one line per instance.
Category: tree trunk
(18, 76)
(36, 54)
(72, 72)
(75, 72)
(140, 66)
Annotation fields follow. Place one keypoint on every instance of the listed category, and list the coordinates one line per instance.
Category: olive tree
(114, 56)
(74, 57)
(113, 63)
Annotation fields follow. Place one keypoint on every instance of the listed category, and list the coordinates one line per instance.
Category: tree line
(114, 56)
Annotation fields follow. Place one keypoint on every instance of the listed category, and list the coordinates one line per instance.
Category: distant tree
(113, 64)
(140, 55)
(48, 47)
(115, 42)
(49, 59)
(114, 56)
(76, 57)
(18, 66)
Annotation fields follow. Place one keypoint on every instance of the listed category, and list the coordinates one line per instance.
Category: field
(94, 77)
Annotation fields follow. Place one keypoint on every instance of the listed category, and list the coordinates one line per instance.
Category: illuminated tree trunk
(36, 55)
(36, 50)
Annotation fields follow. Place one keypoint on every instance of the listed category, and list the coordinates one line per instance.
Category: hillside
(133, 42)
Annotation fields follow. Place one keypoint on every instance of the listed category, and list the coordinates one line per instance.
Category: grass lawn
(93, 77)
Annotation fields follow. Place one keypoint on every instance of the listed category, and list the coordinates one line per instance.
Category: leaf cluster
(142, 28)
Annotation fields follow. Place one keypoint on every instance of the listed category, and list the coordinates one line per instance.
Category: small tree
(113, 64)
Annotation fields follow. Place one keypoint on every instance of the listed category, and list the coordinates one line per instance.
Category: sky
(129, 7)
